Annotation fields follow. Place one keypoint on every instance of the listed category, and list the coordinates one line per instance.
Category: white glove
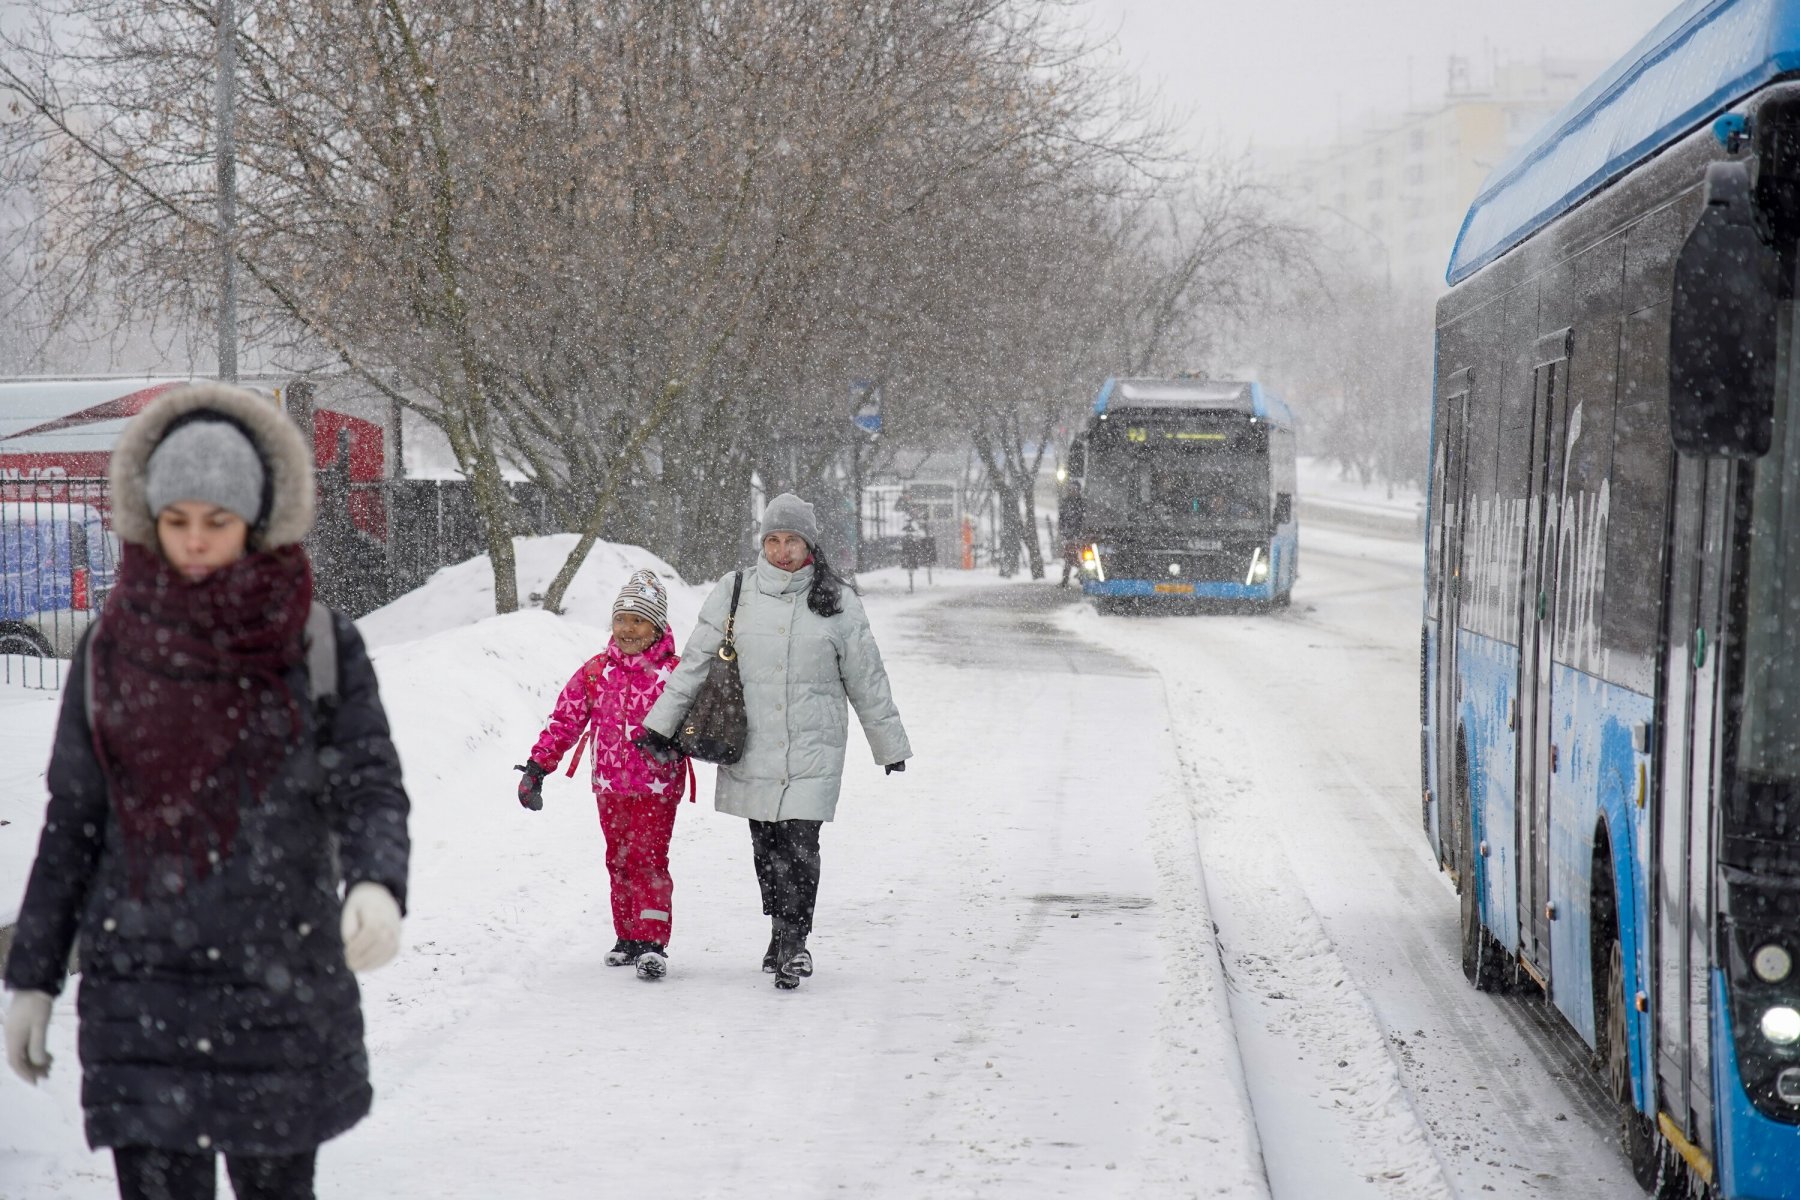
(27, 1021)
(371, 927)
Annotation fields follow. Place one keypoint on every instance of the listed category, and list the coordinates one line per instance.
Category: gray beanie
(788, 513)
(644, 595)
(210, 461)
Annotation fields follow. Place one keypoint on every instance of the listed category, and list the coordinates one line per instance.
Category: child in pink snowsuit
(638, 796)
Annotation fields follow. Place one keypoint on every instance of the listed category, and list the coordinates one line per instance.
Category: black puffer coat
(223, 1017)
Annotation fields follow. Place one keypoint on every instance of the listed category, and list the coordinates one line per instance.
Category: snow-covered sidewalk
(1018, 991)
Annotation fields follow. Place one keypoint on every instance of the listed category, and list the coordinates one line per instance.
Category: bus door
(1452, 499)
(1686, 768)
(1543, 519)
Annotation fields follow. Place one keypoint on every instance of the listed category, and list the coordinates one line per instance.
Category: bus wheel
(1484, 961)
(16, 639)
(1641, 1142)
(1654, 1163)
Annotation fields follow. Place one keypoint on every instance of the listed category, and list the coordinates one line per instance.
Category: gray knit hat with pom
(644, 595)
(788, 513)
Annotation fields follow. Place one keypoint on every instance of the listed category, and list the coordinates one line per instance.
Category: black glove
(662, 749)
(892, 767)
(531, 785)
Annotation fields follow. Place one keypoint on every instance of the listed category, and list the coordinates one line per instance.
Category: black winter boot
(769, 954)
(624, 953)
(792, 962)
(653, 963)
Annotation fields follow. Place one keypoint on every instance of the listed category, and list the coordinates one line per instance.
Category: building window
(1415, 174)
(1416, 142)
(1375, 189)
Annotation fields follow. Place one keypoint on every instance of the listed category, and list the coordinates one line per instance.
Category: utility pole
(225, 111)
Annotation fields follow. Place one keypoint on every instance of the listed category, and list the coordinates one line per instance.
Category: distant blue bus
(56, 565)
(1610, 691)
(1185, 492)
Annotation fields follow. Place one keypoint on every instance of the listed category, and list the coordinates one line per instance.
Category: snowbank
(27, 721)
(1331, 496)
(463, 594)
(457, 598)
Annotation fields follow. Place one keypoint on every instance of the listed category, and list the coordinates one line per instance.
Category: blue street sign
(865, 405)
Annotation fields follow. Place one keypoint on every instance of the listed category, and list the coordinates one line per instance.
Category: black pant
(787, 869)
(149, 1174)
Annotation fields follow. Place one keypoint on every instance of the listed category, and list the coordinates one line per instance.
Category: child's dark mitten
(531, 785)
(662, 749)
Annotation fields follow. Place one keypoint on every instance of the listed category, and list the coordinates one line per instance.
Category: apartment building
(1393, 191)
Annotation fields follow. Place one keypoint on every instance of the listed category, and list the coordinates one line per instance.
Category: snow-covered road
(1373, 1068)
(1019, 989)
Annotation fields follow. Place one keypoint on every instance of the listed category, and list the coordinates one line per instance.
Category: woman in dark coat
(209, 798)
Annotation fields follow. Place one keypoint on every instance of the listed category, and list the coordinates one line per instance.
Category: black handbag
(717, 725)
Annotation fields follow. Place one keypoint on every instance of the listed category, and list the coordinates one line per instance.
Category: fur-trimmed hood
(277, 439)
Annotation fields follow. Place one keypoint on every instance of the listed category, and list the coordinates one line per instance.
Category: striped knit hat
(644, 595)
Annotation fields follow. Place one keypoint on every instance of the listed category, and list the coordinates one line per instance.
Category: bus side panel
(1489, 676)
(1284, 553)
(1595, 783)
(1755, 1156)
(1436, 793)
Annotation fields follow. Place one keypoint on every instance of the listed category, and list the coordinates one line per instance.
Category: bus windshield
(1178, 476)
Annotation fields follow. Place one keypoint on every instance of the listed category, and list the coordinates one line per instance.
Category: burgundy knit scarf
(193, 715)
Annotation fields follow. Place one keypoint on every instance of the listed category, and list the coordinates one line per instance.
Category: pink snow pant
(637, 831)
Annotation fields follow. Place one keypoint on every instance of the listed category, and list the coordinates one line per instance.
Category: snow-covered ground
(1329, 495)
(28, 705)
(1019, 989)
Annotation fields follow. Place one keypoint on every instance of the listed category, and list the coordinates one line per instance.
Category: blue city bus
(1610, 695)
(1186, 494)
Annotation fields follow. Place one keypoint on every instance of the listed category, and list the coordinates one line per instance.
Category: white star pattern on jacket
(608, 697)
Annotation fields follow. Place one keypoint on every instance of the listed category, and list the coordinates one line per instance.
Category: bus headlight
(1771, 963)
(1781, 1025)
(1787, 1085)
(1090, 562)
(1259, 569)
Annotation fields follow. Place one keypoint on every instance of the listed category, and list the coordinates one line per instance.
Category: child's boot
(653, 962)
(624, 953)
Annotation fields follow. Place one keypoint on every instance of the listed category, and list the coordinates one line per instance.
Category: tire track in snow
(1330, 1105)
(1499, 1082)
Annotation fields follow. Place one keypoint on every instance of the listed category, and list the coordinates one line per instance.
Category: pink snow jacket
(606, 701)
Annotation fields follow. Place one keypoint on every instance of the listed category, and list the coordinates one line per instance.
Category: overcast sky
(1280, 72)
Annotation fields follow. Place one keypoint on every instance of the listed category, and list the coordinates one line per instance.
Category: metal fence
(370, 543)
(58, 559)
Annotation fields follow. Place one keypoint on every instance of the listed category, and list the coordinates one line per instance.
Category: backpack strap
(321, 656)
(320, 642)
(87, 676)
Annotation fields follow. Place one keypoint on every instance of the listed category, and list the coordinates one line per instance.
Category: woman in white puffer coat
(804, 649)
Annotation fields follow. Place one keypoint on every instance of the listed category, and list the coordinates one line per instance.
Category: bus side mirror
(1284, 508)
(1722, 325)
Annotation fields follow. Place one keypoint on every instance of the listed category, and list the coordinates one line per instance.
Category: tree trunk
(1028, 527)
(493, 508)
(1006, 502)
